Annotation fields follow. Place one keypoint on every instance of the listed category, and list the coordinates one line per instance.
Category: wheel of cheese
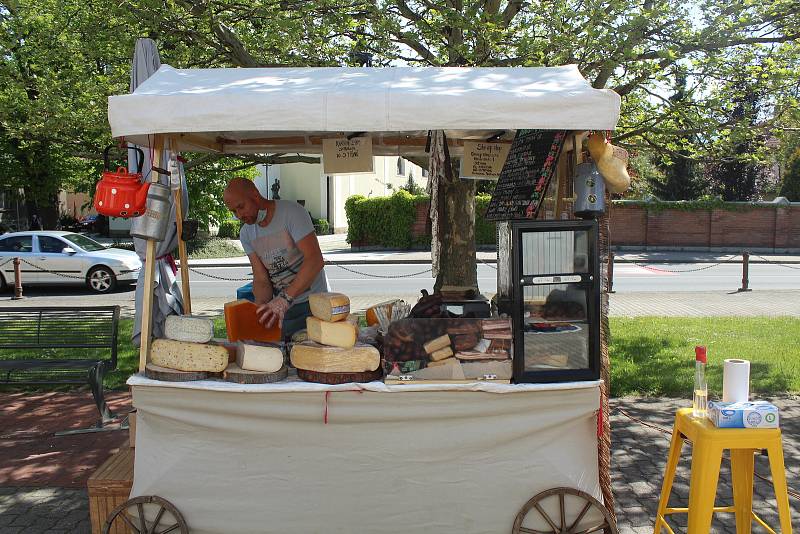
(234, 373)
(329, 306)
(339, 378)
(156, 372)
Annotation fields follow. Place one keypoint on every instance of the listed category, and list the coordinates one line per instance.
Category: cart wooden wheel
(577, 505)
(167, 517)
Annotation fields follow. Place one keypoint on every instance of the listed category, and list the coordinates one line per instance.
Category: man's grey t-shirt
(276, 245)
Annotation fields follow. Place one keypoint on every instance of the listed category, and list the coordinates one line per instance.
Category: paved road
(640, 290)
(628, 277)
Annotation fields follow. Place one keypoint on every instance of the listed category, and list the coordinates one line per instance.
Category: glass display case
(556, 301)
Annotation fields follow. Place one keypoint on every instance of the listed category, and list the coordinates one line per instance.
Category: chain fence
(26, 262)
(225, 278)
(370, 275)
(776, 263)
(695, 269)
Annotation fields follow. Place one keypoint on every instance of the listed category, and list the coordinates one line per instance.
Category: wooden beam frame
(145, 339)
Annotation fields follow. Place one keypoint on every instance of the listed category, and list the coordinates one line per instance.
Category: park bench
(59, 345)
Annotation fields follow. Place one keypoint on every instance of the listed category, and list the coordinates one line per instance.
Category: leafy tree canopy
(60, 60)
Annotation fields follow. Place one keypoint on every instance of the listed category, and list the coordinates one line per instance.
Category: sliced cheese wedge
(329, 306)
(342, 334)
(186, 356)
(267, 358)
(189, 328)
(315, 357)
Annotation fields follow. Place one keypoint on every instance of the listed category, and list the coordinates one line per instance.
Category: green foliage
(229, 229)
(412, 187)
(207, 179)
(383, 221)
(705, 203)
(485, 231)
(322, 226)
(387, 221)
(790, 186)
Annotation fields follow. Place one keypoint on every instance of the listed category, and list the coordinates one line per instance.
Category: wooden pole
(187, 295)
(149, 274)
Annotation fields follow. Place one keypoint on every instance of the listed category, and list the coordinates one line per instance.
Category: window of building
(401, 167)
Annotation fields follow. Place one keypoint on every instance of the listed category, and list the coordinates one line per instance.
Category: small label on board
(556, 279)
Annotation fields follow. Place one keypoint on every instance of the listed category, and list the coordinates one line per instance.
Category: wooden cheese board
(234, 373)
(156, 372)
(339, 378)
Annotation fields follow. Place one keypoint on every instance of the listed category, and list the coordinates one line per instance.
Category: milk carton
(753, 414)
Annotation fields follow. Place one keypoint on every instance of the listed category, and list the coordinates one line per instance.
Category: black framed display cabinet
(556, 301)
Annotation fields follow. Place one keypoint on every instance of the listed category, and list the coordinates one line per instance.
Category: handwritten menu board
(347, 156)
(523, 182)
(482, 160)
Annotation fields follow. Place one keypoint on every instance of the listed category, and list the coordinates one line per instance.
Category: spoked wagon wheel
(575, 512)
(132, 513)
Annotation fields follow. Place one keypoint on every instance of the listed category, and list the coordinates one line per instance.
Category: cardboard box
(757, 414)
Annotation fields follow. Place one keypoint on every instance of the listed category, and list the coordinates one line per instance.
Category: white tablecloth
(305, 458)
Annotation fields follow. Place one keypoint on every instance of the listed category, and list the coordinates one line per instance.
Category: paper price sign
(347, 156)
(483, 160)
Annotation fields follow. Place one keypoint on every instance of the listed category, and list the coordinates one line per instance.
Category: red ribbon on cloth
(327, 396)
(170, 261)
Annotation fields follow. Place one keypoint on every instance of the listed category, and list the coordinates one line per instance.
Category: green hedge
(387, 221)
(229, 229)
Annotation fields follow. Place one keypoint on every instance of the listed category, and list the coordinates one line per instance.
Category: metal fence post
(17, 280)
(745, 272)
(610, 271)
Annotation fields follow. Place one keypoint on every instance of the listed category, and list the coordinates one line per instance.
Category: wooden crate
(109, 487)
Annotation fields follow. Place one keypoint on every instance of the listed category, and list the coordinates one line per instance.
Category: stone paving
(639, 454)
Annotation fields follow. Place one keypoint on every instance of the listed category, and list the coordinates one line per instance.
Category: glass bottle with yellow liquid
(700, 400)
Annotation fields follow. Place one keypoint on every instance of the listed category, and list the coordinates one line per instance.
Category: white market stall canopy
(292, 109)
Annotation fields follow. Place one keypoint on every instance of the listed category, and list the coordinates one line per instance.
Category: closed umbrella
(166, 292)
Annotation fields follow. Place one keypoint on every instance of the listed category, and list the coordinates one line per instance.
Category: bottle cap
(700, 354)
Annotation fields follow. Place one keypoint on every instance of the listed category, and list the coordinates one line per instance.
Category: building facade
(324, 195)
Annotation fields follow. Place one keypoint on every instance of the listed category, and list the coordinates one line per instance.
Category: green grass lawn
(655, 355)
(649, 355)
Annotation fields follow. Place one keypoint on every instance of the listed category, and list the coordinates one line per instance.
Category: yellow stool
(708, 442)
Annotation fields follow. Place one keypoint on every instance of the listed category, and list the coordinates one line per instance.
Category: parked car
(51, 257)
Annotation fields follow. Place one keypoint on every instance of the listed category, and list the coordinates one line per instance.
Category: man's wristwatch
(285, 296)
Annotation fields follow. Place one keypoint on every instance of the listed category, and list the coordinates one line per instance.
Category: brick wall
(764, 225)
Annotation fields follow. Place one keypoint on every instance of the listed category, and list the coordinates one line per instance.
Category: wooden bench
(109, 487)
(59, 345)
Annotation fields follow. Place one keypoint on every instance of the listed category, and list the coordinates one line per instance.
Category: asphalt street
(409, 279)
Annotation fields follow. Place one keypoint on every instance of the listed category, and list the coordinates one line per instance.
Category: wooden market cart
(457, 458)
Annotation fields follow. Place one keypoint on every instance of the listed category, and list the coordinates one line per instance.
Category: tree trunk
(457, 265)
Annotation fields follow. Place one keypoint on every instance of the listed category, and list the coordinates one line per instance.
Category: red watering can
(121, 193)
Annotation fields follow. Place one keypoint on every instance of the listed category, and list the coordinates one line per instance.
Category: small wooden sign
(483, 161)
(347, 156)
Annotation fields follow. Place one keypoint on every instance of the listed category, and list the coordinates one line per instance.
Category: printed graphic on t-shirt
(280, 254)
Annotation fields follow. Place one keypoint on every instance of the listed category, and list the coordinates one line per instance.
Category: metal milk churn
(590, 191)
(153, 224)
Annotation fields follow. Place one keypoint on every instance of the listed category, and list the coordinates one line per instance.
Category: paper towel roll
(736, 381)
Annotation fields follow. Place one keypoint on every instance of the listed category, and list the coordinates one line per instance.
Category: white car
(65, 258)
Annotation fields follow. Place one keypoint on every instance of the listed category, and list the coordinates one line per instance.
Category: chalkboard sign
(526, 175)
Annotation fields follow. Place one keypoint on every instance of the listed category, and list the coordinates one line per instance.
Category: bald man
(279, 239)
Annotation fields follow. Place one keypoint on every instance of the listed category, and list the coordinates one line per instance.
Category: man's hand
(272, 313)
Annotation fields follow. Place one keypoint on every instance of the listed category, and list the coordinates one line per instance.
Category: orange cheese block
(242, 323)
